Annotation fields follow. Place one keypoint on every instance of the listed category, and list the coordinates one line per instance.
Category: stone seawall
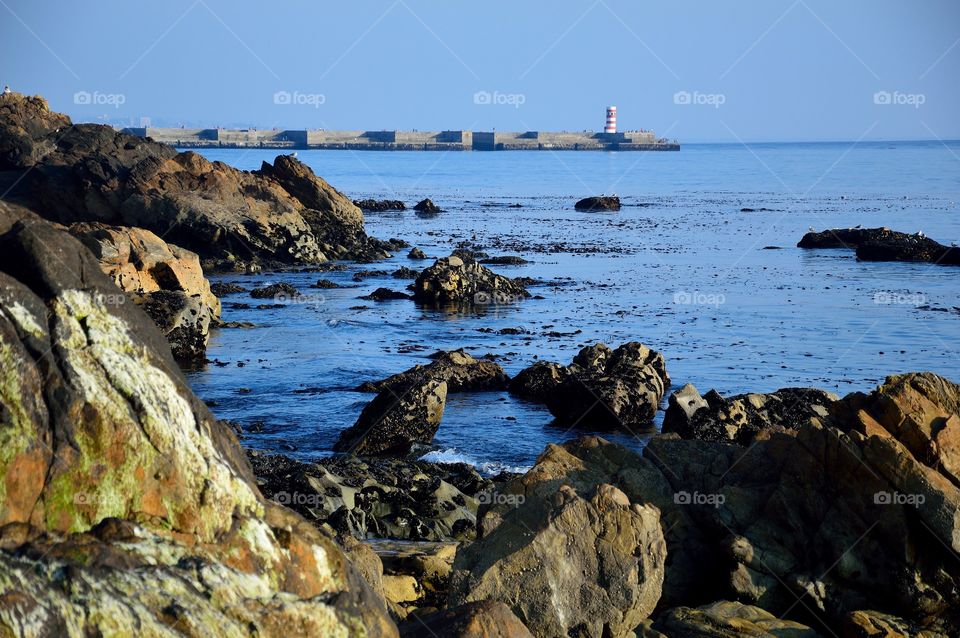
(407, 140)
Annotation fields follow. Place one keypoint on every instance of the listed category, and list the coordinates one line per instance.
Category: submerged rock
(398, 417)
(460, 371)
(588, 565)
(739, 418)
(125, 507)
(602, 388)
(454, 281)
(281, 214)
(603, 203)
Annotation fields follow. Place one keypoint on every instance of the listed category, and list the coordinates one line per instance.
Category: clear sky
(708, 70)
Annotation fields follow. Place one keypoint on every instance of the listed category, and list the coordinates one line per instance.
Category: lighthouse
(611, 125)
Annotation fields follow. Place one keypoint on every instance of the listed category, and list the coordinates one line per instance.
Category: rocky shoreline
(127, 507)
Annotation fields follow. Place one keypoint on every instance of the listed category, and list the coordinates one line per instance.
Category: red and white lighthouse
(611, 125)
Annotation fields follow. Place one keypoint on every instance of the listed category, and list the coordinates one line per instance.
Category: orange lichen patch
(23, 483)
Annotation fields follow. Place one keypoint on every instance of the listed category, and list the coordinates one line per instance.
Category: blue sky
(709, 70)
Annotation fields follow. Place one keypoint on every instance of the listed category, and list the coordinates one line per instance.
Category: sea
(700, 264)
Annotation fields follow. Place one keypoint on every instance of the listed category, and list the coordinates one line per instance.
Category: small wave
(487, 468)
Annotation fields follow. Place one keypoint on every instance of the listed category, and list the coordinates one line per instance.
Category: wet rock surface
(379, 205)
(453, 280)
(280, 214)
(385, 294)
(740, 418)
(883, 244)
(459, 370)
(275, 291)
(397, 418)
(595, 204)
(121, 493)
(602, 388)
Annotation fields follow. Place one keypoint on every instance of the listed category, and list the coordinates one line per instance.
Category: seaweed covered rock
(598, 203)
(281, 214)
(125, 507)
(460, 371)
(377, 497)
(396, 419)
(452, 281)
(739, 418)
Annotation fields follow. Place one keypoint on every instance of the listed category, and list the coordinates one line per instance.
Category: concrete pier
(407, 140)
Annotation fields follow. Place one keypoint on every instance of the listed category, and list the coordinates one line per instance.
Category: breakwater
(408, 140)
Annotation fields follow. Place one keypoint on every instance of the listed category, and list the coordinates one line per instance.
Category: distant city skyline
(756, 70)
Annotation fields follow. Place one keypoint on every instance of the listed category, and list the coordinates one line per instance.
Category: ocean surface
(684, 267)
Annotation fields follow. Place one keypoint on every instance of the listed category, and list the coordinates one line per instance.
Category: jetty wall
(458, 140)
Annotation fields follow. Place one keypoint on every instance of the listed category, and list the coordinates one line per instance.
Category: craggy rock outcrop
(278, 291)
(484, 619)
(125, 507)
(569, 565)
(739, 418)
(377, 498)
(428, 564)
(724, 619)
(280, 214)
(379, 205)
(396, 419)
(461, 372)
(165, 280)
(416, 253)
(385, 294)
(602, 203)
(602, 388)
(859, 513)
(452, 280)
(883, 244)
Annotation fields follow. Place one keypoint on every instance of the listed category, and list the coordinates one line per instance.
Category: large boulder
(461, 371)
(858, 512)
(281, 214)
(164, 279)
(739, 418)
(125, 507)
(569, 564)
(396, 419)
(602, 388)
(452, 281)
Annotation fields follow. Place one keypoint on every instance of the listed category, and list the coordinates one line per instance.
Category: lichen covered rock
(125, 507)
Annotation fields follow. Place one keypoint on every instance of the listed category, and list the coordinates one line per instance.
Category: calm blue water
(680, 268)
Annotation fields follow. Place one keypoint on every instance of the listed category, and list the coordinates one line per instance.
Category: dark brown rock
(484, 619)
(602, 203)
(460, 371)
(397, 418)
(453, 281)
